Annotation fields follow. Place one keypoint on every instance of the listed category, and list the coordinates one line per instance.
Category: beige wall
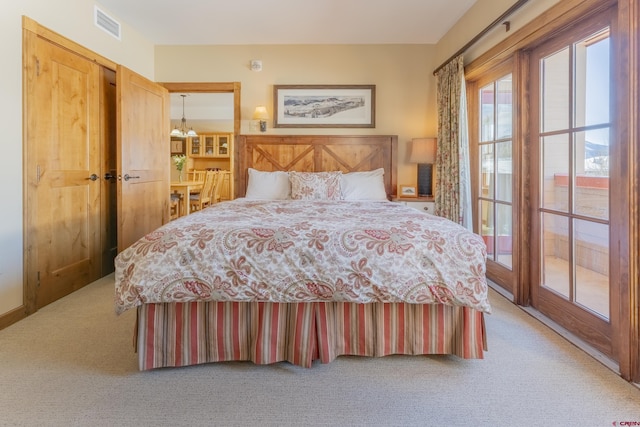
(74, 20)
(405, 86)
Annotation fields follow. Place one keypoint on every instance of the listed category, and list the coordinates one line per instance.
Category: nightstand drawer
(421, 206)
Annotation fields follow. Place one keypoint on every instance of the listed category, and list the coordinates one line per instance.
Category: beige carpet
(72, 364)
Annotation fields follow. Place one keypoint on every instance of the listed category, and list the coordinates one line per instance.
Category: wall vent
(106, 23)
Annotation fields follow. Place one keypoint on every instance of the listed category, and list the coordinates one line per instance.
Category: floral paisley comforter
(303, 251)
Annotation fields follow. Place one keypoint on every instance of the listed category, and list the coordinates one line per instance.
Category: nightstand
(425, 204)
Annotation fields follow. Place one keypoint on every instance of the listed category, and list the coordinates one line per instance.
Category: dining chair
(202, 199)
(196, 175)
(215, 190)
(176, 206)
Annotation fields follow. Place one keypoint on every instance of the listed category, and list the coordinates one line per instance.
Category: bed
(310, 262)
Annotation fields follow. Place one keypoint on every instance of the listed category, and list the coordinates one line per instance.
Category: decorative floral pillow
(315, 185)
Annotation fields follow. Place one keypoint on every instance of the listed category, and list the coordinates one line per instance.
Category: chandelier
(182, 131)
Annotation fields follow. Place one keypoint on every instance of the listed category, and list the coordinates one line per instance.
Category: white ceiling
(171, 22)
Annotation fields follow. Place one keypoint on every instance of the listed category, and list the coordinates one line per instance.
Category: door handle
(93, 177)
(127, 177)
(109, 177)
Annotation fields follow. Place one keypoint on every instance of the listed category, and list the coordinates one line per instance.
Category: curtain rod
(471, 42)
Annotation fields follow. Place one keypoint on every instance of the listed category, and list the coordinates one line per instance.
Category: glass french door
(496, 173)
(572, 151)
(492, 136)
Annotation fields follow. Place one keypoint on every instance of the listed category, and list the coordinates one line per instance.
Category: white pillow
(363, 185)
(268, 185)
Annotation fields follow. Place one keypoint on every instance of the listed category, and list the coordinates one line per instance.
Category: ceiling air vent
(107, 23)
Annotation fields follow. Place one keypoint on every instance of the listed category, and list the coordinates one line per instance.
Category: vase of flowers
(179, 161)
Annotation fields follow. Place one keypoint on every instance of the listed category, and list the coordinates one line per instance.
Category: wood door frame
(522, 292)
(108, 135)
(213, 87)
(627, 114)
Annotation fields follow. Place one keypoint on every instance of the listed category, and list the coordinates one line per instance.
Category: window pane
(592, 265)
(592, 80)
(504, 176)
(504, 235)
(504, 107)
(591, 192)
(487, 226)
(486, 181)
(595, 146)
(555, 91)
(555, 168)
(487, 96)
(555, 254)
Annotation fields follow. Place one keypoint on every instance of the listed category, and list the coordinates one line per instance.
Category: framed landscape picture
(297, 106)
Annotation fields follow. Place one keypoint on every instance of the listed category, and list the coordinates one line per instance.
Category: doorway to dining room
(211, 112)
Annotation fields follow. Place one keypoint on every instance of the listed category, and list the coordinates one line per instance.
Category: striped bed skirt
(182, 334)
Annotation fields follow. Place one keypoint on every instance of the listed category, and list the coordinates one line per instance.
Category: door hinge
(38, 174)
(37, 67)
(38, 280)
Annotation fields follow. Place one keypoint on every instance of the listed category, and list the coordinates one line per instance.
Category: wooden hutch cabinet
(210, 145)
(213, 151)
(216, 145)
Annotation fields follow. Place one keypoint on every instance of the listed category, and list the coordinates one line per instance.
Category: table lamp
(423, 152)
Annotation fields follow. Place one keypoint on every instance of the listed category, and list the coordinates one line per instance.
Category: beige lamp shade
(260, 113)
(423, 150)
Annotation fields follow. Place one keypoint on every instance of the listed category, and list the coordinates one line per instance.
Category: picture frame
(408, 191)
(178, 146)
(324, 106)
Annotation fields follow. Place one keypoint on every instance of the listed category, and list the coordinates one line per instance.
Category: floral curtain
(453, 191)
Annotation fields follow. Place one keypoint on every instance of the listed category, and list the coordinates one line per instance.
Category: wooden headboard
(315, 153)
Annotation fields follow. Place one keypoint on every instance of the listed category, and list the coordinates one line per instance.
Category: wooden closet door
(62, 170)
(143, 156)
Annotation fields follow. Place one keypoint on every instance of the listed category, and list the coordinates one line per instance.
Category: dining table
(185, 189)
